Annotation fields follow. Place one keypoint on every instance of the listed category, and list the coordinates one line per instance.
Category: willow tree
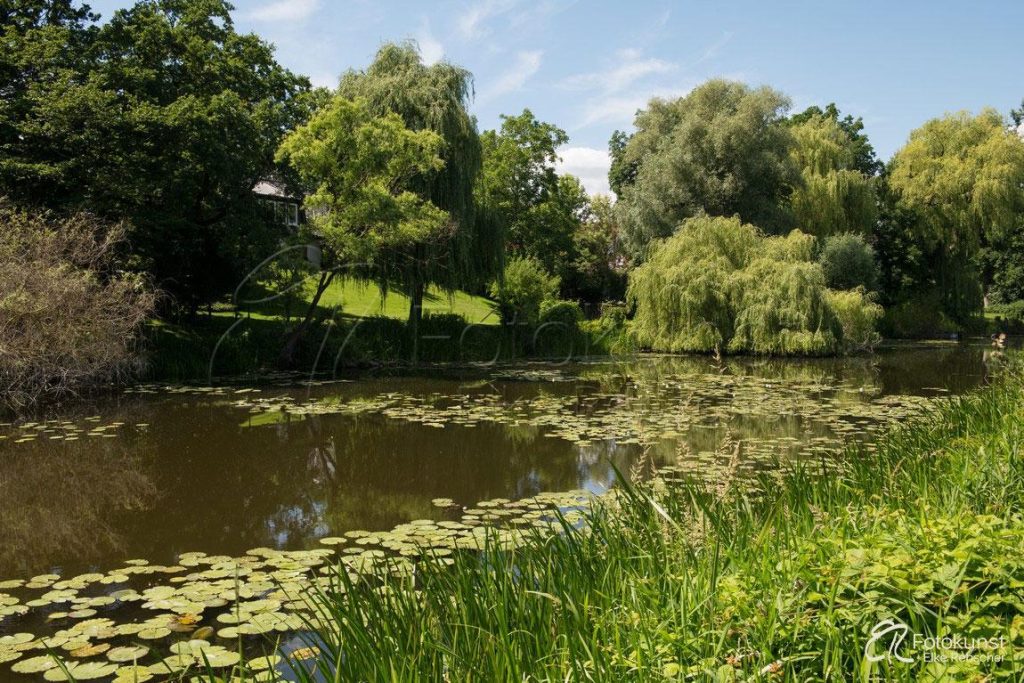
(834, 196)
(722, 150)
(719, 285)
(467, 253)
(961, 178)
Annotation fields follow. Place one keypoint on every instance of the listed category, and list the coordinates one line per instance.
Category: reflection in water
(207, 475)
(59, 502)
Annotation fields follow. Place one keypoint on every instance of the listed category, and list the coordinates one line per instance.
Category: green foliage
(1002, 262)
(598, 270)
(164, 116)
(523, 288)
(963, 176)
(919, 317)
(863, 154)
(834, 196)
(560, 311)
(620, 173)
(723, 150)
(541, 211)
(849, 262)
(359, 167)
(719, 285)
(859, 317)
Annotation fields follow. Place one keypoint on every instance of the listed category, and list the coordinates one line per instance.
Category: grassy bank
(689, 581)
(356, 326)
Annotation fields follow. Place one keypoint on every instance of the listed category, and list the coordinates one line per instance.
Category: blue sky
(587, 66)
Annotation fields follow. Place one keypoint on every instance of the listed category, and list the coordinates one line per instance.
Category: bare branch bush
(69, 322)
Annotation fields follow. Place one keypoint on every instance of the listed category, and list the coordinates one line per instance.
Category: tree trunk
(291, 345)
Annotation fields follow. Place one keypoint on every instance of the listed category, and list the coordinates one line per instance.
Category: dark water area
(153, 475)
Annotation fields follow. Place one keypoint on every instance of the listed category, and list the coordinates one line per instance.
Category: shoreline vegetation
(785, 578)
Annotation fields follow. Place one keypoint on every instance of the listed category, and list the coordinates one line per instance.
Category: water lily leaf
(128, 653)
(35, 665)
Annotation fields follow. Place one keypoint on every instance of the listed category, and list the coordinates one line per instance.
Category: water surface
(224, 470)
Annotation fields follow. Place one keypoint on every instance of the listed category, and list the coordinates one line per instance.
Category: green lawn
(361, 299)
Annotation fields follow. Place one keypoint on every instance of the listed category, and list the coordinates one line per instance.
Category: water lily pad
(35, 665)
(154, 633)
(133, 674)
(127, 653)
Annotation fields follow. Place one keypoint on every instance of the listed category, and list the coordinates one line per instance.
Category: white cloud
(285, 10)
(526, 65)
(589, 165)
(431, 48)
(471, 24)
(630, 68)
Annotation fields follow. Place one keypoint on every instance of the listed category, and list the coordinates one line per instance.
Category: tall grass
(682, 580)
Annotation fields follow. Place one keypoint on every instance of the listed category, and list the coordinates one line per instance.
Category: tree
(961, 178)
(361, 168)
(720, 285)
(1018, 115)
(519, 178)
(862, 152)
(835, 196)
(722, 150)
(849, 262)
(620, 173)
(434, 98)
(164, 116)
(521, 290)
(598, 270)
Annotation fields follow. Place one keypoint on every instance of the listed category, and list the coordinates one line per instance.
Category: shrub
(561, 311)
(858, 316)
(849, 262)
(524, 286)
(67, 322)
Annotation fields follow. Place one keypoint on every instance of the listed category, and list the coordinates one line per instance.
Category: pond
(158, 482)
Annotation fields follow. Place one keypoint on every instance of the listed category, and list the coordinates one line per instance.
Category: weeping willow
(833, 197)
(719, 285)
(434, 98)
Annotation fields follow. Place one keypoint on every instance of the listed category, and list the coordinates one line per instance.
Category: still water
(281, 465)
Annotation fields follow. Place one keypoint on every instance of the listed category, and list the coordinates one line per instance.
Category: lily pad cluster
(142, 620)
(61, 430)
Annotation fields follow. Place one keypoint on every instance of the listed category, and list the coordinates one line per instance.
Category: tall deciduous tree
(961, 177)
(722, 150)
(864, 158)
(361, 168)
(434, 98)
(834, 195)
(165, 116)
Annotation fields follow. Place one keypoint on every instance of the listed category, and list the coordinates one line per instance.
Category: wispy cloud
(630, 67)
(472, 23)
(589, 165)
(522, 70)
(712, 50)
(431, 48)
(616, 92)
(285, 10)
